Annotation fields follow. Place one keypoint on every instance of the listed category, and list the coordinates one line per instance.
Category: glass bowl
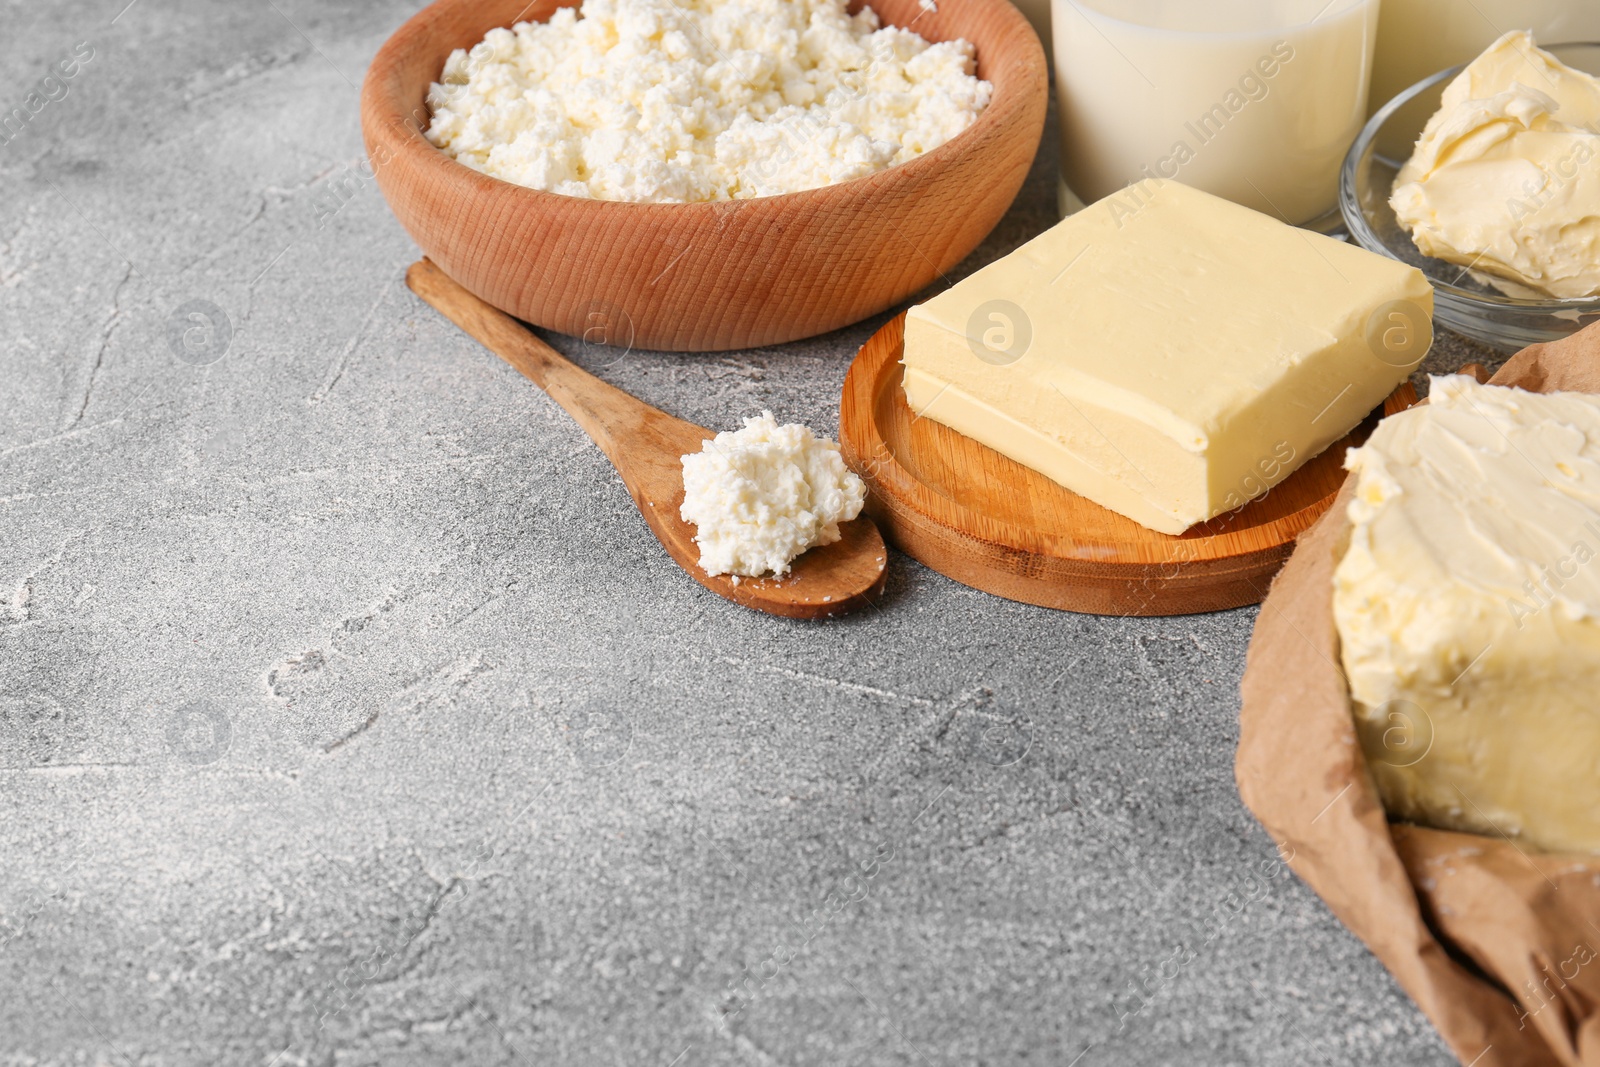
(1465, 301)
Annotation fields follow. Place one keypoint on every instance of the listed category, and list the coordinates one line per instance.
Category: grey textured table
(349, 714)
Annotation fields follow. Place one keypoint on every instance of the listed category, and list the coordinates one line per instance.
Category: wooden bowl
(707, 276)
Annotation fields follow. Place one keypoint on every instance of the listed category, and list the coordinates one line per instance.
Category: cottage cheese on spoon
(762, 495)
(667, 101)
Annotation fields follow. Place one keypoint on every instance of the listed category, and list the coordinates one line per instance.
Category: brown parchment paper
(1498, 945)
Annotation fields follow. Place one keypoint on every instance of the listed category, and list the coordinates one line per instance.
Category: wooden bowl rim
(913, 500)
(1016, 81)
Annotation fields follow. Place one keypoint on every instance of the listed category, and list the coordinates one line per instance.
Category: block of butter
(1468, 608)
(1167, 354)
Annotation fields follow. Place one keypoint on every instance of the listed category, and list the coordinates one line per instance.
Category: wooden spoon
(646, 446)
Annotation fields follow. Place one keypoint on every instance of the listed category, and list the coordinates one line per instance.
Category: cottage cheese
(762, 495)
(669, 101)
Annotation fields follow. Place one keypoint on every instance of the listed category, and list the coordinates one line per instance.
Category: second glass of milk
(1253, 100)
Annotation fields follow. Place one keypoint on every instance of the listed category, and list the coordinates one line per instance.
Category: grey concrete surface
(350, 715)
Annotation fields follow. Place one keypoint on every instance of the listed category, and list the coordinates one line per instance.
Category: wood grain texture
(991, 523)
(646, 446)
(710, 276)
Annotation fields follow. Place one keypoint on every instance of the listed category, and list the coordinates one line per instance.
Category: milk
(1256, 101)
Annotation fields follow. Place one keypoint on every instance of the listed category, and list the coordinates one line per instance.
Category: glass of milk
(1256, 101)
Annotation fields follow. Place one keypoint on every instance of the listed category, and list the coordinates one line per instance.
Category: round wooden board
(991, 523)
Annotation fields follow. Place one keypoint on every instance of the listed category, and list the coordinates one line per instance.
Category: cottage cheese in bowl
(663, 101)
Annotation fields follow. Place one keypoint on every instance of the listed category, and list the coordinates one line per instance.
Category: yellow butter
(1506, 176)
(1468, 610)
(1167, 354)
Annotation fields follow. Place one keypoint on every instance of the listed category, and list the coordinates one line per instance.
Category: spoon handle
(608, 415)
(645, 445)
